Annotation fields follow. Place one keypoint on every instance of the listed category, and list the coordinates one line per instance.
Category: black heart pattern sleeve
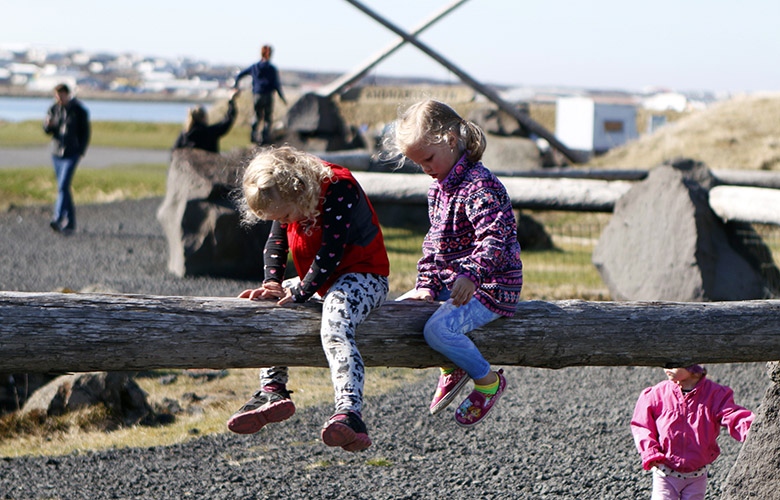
(275, 253)
(337, 208)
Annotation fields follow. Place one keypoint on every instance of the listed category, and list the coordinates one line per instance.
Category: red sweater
(346, 238)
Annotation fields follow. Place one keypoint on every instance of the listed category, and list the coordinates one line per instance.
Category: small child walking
(675, 428)
(322, 216)
(471, 256)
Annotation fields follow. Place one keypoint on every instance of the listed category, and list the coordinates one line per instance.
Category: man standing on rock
(68, 123)
(265, 81)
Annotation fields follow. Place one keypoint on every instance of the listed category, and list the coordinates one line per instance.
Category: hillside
(741, 133)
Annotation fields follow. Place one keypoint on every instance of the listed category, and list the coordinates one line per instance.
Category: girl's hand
(269, 291)
(462, 291)
(285, 298)
(421, 294)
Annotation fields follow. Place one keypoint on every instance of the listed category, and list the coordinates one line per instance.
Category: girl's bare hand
(462, 291)
(421, 294)
(268, 291)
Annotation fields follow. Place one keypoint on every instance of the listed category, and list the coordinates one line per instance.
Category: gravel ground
(556, 434)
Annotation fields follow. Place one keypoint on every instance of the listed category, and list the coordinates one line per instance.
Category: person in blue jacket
(265, 81)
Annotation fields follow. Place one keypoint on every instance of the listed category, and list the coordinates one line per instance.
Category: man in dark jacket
(68, 123)
(265, 81)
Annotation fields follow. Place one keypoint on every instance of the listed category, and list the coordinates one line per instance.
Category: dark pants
(264, 113)
(64, 168)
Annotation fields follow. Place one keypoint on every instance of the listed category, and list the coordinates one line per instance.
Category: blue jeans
(64, 168)
(445, 331)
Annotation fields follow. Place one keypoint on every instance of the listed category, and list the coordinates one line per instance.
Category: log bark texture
(746, 204)
(43, 332)
(530, 193)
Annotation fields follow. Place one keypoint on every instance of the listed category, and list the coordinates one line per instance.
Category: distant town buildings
(35, 70)
(608, 114)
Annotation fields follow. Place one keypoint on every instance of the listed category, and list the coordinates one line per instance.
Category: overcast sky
(715, 45)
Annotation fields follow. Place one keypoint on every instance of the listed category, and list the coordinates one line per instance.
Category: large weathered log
(530, 193)
(746, 204)
(42, 332)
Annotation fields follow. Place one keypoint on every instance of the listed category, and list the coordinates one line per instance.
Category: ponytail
(473, 140)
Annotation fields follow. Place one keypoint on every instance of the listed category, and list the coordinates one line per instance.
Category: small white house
(593, 125)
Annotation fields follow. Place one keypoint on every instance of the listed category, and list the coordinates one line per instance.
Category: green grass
(35, 186)
(139, 135)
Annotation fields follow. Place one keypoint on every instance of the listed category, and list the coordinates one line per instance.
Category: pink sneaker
(475, 408)
(447, 389)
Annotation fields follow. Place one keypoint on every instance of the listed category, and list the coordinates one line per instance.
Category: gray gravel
(556, 434)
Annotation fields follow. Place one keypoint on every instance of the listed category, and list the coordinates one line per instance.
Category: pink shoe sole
(339, 434)
(252, 421)
(450, 396)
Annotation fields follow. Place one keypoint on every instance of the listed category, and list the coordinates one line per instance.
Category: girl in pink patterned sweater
(471, 257)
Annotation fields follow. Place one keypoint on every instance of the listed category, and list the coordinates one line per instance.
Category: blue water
(16, 109)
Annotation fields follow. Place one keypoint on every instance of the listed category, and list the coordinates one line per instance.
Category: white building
(594, 125)
(666, 101)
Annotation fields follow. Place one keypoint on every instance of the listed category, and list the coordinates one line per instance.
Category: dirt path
(96, 157)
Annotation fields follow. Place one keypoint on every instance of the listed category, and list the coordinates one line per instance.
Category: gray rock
(754, 474)
(496, 122)
(116, 390)
(663, 242)
(201, 220)
(15, 388)
(511, 154)
(314, 123)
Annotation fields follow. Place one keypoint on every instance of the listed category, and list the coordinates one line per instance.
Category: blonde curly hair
(430, 122)
(282, 175)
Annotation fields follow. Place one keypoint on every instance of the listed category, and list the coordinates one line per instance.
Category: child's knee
(436, 331)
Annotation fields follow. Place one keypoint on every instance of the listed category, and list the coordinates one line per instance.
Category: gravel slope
(556, 434)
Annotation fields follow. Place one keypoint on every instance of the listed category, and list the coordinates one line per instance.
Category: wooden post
(42, 332)
(524, 119)
(341, 84)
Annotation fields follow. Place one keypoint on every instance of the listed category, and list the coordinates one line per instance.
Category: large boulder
(511, 154)
(117, 391)
(314, 123)
(663, 242)
(500, 123)
(201, 220)
(754, 475)
(16, 388)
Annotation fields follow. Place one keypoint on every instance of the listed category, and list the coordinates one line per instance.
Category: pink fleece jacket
(681, 431)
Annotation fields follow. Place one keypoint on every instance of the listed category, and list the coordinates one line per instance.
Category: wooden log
(530, 193)
(43, 332)
(361, 160)
(746, 204)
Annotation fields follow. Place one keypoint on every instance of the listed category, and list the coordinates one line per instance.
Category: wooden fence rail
(43, 332)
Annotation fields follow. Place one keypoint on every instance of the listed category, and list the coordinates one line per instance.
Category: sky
(684, 45)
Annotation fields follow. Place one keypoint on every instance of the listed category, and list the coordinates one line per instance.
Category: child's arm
(427, 271)
(734, 417)
(490, 213)
(275, 264)
(340, 198)
(645, 431)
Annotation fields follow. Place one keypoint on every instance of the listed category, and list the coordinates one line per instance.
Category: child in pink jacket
(676, 425)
